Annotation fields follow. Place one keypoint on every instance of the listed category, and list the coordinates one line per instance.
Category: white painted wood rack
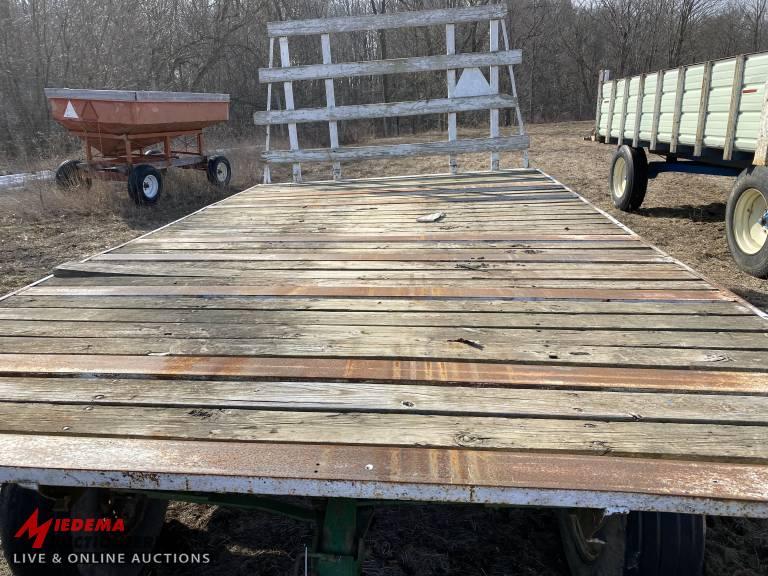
(471, 92)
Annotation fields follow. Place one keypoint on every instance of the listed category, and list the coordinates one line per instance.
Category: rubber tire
(16, 505)
(637, 178)
(642, 544)
(140, 535)
(754, 264)
(610, 562)
(665, 544)
(68, 176)
(211, 171)
(136, 184)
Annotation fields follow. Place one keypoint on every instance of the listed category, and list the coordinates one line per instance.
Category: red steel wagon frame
(128, 136)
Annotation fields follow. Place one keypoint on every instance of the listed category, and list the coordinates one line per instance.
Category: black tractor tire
(219, 171)
(637, 544)
(628, 178)
(746, 221)
(69, 176)
(143, 518)
(592, 553)
(665, 544)
(145, 184)
(17, 504)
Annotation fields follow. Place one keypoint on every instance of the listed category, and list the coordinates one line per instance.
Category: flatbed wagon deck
(318, 339)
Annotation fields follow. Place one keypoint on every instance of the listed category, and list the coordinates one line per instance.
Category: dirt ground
(41, 227)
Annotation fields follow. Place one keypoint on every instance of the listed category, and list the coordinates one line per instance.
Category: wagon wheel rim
(620, 177)
(584, 526)
(222, 172)
(749, 221)
(150, 186)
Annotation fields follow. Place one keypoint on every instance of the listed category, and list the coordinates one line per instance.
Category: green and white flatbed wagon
(709, 118)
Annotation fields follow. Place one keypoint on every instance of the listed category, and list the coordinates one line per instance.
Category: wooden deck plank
(711, 379)
(450, 348)
(148, 286)
(562, 309)
(458, 318)
(635, 439)
(389, 398)
(494, 341)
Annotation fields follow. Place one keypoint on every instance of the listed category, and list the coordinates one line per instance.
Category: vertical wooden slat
(701, 123)
(733, 112)
(330, 102)
(450, 48)
(267, 168)
(638, 111)
(599, 108)
(611, 105)
(624, 103)
(494, 47)
(293, 138)
(518, 113)
(657, 110)
(678, 111)
(761, 146)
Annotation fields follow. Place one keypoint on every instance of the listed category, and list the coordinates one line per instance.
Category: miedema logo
(37, 532)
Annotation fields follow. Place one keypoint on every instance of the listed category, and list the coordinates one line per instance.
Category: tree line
(218, 46)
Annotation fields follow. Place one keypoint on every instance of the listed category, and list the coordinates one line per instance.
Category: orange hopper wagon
(130, 135)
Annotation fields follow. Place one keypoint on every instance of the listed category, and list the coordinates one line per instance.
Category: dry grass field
(41, 227)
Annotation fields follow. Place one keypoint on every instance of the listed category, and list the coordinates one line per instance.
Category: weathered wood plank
(388, 21)
(638, 111)
(509, 270)
(598, 111)
(493, 41)
(139, 287)
(678, 109)
(623, 119)
(392, 399)
(701, 124)
(450, 80)
(281, 313)
(427, 347)
(392, 66)
(293, 139)
(657, 110)
(214, 248)
(386, 109)
(330, 101)
(493, 341)
(634, 439)
(735, 102)
(611, 105)
(709, 379)
(487, 255)
(350, 241)
(761, 146)
(466, 146)
(712, 311)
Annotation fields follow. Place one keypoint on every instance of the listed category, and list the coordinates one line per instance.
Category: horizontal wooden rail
(499, 144)
(386, 21)
(385, 110)
(392, 66)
